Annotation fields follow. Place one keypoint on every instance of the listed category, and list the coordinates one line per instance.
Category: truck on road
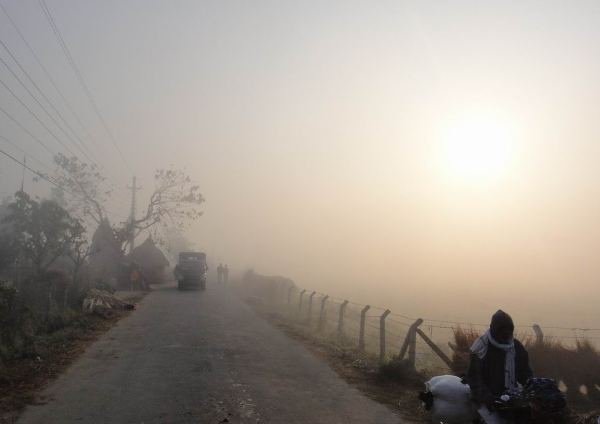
(190, 271)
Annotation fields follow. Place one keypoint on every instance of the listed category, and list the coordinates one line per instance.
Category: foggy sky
(313, 127)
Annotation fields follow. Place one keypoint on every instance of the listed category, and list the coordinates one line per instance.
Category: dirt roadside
(363, 372)
(21, 379)
(357, 369)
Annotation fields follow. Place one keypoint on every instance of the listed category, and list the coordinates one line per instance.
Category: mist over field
(436, 159)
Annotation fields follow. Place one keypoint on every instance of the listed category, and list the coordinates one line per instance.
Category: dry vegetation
(577, 367)
(42, 356)
(396, 384)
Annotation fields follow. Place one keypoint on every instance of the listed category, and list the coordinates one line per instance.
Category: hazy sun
(477, 149)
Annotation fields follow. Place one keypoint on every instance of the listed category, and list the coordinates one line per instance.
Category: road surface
(200, 357)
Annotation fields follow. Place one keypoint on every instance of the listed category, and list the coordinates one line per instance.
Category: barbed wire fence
(426, 343)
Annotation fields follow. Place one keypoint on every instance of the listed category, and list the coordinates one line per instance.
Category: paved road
(200, 357)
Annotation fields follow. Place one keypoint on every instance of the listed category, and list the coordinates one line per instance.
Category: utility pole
(23, 175)
(134, 188)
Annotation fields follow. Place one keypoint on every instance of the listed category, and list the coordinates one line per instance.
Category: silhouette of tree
(175, 200)
(41, 231)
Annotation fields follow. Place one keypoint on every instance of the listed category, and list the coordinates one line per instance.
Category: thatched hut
(151, 261)
(106, 257)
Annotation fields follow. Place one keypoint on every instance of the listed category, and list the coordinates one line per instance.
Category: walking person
(225, 274)
(134, 277)
(220, 274)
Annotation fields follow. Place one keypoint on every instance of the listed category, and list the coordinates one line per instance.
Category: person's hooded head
(502, 327)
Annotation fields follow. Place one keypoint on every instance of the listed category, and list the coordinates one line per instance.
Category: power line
(80, 144)
(33, 136)
(47, 73)
(24, 129)
(11, 143)
(79, 76)
(37, 118)
(44, 176)
(13, 73)
(39, 174)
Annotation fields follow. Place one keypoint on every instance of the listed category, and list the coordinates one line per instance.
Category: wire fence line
(449, 324)
(423, 342)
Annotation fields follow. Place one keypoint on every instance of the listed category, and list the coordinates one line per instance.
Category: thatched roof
(106, 251)
(148, 255)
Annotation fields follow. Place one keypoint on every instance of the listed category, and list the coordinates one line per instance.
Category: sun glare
(477, 150)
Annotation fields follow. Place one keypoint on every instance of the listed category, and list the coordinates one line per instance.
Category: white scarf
(480, 348)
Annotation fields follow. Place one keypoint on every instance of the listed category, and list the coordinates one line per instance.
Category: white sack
(451, 400)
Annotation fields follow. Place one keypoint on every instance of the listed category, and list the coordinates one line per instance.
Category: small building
(151, 261)
(106, 255)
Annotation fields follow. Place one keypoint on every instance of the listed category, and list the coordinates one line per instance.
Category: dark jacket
(486, 376)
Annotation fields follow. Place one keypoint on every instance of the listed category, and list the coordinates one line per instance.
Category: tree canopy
(174, 201)
(86, 195)
(41, 231)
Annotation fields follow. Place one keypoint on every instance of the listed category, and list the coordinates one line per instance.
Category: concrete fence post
(340, 328)
(310, 303)
(322, 313)
(300, 301)
(410, 343)
(539, 334)
(361, 336)
(382, 334)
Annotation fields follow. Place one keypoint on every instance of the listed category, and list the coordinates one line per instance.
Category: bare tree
(174, 241)
(85, 195)
(175, 200)
(80, 251)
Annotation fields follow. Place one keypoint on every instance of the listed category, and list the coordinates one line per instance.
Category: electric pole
(23, 176)
(134, 188)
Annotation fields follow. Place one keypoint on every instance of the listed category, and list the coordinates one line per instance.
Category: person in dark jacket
(220, 274)
(225, 274)
(499, 362)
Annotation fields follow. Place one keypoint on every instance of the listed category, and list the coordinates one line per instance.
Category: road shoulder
(23, 379)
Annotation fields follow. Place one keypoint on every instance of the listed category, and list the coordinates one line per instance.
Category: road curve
(200, 357)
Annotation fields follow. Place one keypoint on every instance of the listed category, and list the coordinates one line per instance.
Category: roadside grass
(402, 371)
(22, 377)
(396, 385)
(393, 384)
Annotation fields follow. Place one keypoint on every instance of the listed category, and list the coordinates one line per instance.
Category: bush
(401, 371)
(463, 339)
(576, 367)
(17, 327)
(37, 309)
(104, 286)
